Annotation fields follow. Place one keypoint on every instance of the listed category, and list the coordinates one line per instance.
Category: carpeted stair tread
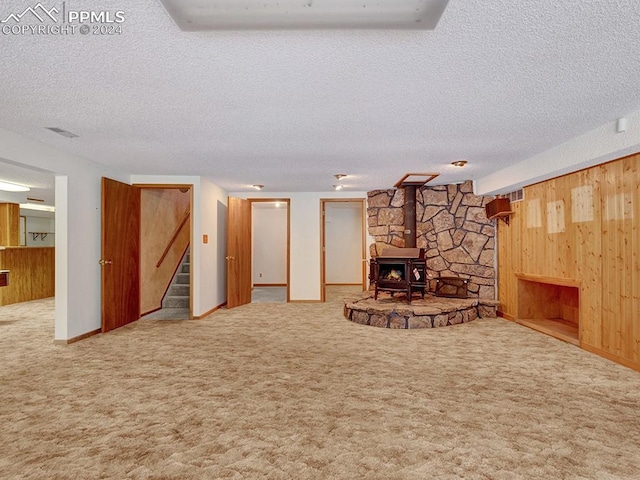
(179, 290)
(175, 302)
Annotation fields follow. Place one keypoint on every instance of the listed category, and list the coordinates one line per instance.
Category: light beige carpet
(295, 391)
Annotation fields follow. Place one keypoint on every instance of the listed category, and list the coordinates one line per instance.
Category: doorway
(27, 219)
(343, 245)
(270, 250)
(165, 253)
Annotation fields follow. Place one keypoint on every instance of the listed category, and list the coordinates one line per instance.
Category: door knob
(230, 258)
(105, 262)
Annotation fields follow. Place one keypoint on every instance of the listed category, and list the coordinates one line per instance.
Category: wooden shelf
(502, 214)
(563, 282)
(561, 329)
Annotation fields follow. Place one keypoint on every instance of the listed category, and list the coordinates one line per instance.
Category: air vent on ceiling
(61, 131)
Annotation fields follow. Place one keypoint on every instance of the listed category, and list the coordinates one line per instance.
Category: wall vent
(515, 196)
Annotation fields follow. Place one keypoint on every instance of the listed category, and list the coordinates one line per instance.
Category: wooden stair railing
(184, 220)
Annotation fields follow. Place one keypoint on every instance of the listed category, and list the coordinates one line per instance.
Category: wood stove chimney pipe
(410, 216)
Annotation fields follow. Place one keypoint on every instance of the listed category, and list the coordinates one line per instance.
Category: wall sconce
(337, 187)
(340, 176)
(459, 163)
(258, 187)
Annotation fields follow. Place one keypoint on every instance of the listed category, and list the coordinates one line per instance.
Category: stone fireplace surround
(428, 312)
(459, 239)
(451, 225)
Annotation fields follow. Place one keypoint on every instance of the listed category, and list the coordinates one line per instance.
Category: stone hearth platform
(430, 312)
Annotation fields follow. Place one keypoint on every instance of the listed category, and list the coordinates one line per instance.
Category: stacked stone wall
(452, 227)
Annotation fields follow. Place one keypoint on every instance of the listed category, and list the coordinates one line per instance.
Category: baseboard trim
(78, 338)
(305, 301)
(343, 284)
(206, 314)
(269, 284)
(506, 316)
(611, 357)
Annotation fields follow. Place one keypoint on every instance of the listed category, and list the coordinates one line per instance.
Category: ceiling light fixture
(459, 163)
(337, 187)
(340, 176)
(13, 187)
(258, 187)
(207, 15)
(35, 206)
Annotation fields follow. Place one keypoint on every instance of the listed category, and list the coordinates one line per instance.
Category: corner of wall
(597, 146)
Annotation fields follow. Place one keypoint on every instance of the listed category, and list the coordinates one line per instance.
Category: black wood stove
(399, 270)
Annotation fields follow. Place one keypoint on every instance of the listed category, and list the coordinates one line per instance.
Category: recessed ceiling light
(258, 187)
(61, 131)
(13, 187)
(337, 187)
(459, 163)
(207, 15)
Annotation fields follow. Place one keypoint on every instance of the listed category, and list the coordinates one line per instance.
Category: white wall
(269, 238)
(597, 146)
(77, 229)
(305, 238)
(44, 223)
(343, 237)
(12, 197)
(209, 217)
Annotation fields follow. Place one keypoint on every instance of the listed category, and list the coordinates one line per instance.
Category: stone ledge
(430, 312)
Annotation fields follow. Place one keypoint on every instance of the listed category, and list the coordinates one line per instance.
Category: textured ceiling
(496, 82)
(40, 182)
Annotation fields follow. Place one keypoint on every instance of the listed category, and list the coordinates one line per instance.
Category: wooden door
(238, 252)
(120, 254)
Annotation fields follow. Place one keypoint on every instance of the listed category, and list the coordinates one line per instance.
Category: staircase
(177, 295)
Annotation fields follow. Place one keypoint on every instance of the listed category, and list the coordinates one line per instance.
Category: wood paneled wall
(32, 273)
(583, 226)
(162, 211)
(9, 224)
